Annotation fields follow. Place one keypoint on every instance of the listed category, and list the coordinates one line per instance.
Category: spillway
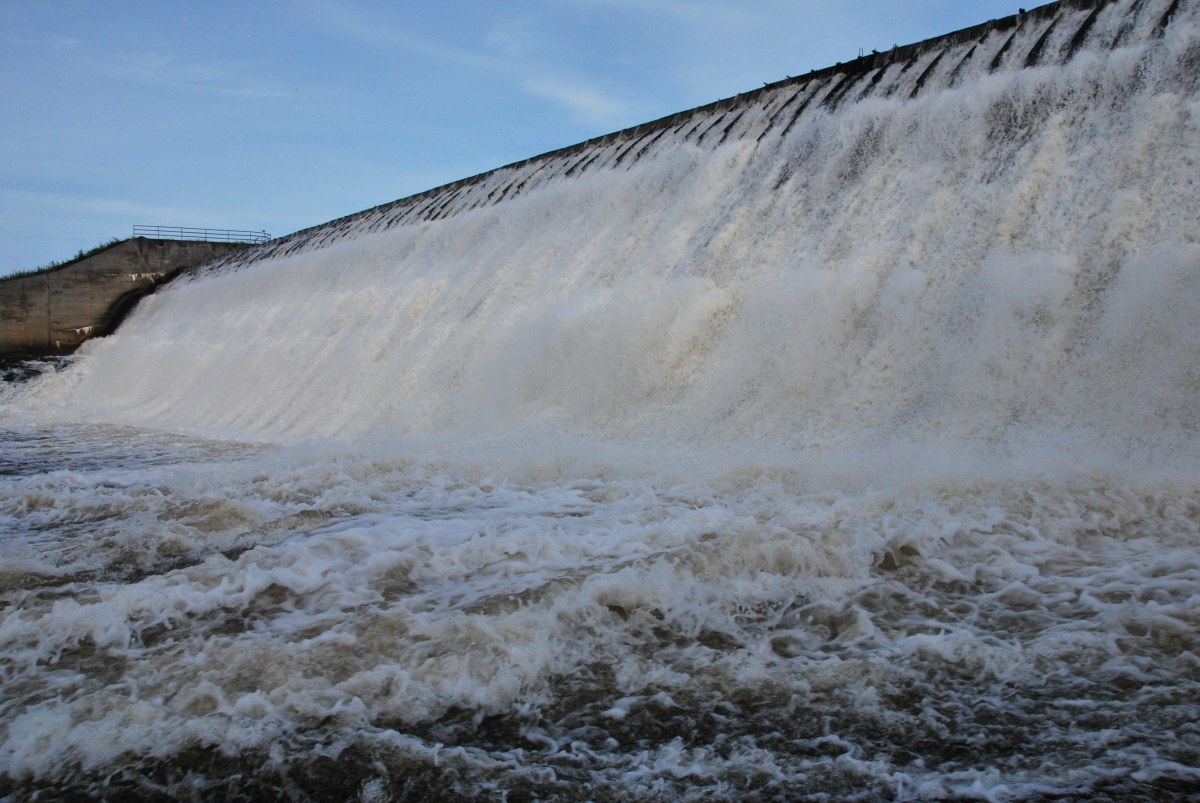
(990, 239)
(837, 440)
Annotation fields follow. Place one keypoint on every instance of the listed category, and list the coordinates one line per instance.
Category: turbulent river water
(852, 458)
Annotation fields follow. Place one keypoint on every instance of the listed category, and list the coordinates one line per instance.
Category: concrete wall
(54, 311)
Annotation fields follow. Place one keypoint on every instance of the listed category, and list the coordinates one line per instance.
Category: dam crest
(1049, 35)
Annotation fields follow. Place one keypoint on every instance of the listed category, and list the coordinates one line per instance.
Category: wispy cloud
(586, 104)
(514, 48)
(698, 13)
(515, 37)
(222, 78)
(703, 50)
(376, 31)
(63, 42)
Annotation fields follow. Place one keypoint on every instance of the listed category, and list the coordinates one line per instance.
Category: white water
(1006, 265)
(860, 459)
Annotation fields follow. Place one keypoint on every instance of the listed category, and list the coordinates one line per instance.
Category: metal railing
(205, 235)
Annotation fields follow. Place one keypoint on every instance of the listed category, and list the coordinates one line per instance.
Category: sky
(275, 116)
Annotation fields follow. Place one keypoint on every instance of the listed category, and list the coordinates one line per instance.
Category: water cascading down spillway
(943, 240)
(839, 438)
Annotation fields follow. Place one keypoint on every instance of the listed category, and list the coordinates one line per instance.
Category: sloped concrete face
(55, 311)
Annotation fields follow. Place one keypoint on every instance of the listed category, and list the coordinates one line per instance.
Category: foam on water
(614, 634)
(858, 458)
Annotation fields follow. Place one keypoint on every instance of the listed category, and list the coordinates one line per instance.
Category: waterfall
(972, 244)
(834, 441)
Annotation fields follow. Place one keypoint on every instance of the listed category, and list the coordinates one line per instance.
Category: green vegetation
(51, 266)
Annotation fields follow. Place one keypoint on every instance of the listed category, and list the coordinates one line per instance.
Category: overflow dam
(1046, 36)
(1037, 160)
(835, 441)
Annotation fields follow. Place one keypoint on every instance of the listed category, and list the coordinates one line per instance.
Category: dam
(1049, 35)
(844, 184)
(835, 441)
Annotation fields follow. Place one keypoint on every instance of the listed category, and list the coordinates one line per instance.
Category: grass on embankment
(55, 265)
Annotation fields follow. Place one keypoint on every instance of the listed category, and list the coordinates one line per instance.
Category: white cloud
(223, 78)
(513, 37)
(713, 15)
(586, 104)
(375, 31)
(63, 42)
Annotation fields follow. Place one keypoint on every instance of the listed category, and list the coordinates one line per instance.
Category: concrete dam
(835, 441)
(1046, 36)
(1039, 160)
(56, 312)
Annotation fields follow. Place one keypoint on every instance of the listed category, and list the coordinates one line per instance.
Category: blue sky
(263, 114)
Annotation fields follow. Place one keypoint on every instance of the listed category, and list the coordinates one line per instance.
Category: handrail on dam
(200, 235)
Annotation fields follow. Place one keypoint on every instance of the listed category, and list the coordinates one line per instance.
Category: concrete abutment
(56, 310)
